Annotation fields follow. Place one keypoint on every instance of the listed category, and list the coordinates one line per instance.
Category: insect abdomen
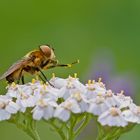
(10, 79)
(14, 76)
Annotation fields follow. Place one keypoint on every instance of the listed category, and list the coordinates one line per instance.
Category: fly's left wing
(19, 64)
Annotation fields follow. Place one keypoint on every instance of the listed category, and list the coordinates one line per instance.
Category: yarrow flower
(44, 109)
(64, 110)
(7, 107)
(69, 96)
(132, 114)
(112, 117)
(98, 105)
(67, 99)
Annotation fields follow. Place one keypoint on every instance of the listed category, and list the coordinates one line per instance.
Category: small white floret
(113, 117)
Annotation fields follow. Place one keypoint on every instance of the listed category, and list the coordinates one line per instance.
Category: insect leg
(22, 79)
(41, 78)
(45, 80)
(18, 81)
(45, 77)
(67, 65)
(63, 65)
(19, 77)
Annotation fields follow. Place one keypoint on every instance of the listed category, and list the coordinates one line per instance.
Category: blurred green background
(77, 30)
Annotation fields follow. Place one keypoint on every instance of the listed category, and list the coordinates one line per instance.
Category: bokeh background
(103, 34)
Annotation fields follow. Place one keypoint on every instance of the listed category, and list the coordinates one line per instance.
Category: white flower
(12, 90)
(25, 98)
(66, 97)
(132, 114)
(81, 101)
(58, 82)
(44, 109)
(98, 105)
(7, 107)
(12, 107)
(112, 117)
(64, 110)
(43, 89)
(46, 91)
(112, 99)
(94, 88)
(73, 85)
(125, 101)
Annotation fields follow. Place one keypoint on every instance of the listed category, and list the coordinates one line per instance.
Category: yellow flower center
(77, 96)
(114, 111)
(68, 106)
(42, 103)
(2, 105)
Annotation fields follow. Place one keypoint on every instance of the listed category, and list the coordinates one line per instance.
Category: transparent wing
(20, 63)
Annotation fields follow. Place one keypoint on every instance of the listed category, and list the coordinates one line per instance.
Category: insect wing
(16, 66)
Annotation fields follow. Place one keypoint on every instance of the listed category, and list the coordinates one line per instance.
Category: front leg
(53, 65)
(49, 64)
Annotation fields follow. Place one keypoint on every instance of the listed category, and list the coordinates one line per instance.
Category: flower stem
(66, 130)
(33, 134)
(57, 129)
(83, 125)
(25, 122)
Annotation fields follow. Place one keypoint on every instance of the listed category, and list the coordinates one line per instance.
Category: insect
(34, 62)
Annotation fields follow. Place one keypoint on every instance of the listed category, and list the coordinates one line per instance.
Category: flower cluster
(66, 97)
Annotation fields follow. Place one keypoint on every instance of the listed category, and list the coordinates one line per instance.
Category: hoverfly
(33, 63)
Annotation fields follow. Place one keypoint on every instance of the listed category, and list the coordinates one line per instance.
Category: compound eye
(46, 50)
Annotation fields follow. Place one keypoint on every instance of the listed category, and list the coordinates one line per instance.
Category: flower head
(69, 96)
(132, 114)
(113, 117)
(98, 105)
(95, 88)
(44, 109)
(72, 85)
(7, 108)
(64, 110)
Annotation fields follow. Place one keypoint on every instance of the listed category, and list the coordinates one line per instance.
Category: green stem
(71, 128)
(32, 127)
(32, 133)
(67, 129)
(25, 122)
(57, 129)
(100, 132)
(82, 126)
